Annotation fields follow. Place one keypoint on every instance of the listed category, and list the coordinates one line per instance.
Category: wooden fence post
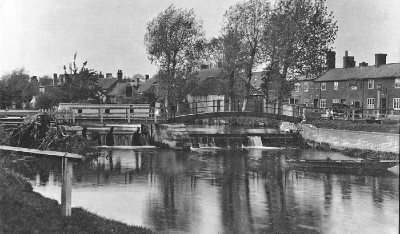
(101, 115)
(66, 186)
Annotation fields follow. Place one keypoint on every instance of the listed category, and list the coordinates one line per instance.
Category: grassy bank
(25, 211)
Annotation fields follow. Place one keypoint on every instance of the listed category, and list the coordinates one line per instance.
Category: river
(228, 191)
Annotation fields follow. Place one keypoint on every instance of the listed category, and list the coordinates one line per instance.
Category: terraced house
(374, 88)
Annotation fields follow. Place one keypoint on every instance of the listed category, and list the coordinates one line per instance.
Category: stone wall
(340, 139)
(171, 135)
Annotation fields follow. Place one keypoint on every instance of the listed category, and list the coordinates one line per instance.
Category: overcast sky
(43, 35)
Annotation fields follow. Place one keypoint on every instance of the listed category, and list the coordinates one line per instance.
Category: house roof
(217, 85)
(106, 83)
(148, 84)
(120, 89)
(370, 72)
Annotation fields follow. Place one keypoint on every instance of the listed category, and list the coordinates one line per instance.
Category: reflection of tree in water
(170, 208)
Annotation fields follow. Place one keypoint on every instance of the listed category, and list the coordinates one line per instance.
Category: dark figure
(96, 138)
(136, 137)
(110, 137)
(145, 135)
(84, 130)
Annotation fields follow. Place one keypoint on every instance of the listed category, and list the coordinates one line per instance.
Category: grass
(25, 211)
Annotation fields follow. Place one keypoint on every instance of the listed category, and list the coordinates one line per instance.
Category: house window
(79, 111)
(370, 84)
(397, 83)
(297, 87)
(396, 103)
(306, 87)
(335, 100)
(370, 103)
(322, 103)
(343, 101)
(335, 85)
(323, 86)
(353, 87)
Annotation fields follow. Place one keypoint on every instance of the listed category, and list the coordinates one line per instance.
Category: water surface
(229, 191)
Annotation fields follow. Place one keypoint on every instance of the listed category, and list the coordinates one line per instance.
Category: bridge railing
(128, 114)
(255, 106)
(352, 113)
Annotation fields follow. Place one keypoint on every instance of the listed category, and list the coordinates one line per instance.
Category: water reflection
(242, 191)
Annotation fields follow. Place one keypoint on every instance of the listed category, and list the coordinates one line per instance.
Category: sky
(43, 35)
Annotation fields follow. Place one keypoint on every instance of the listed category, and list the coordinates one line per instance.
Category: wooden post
(73, 116)
(66, 187)
(128, 112)
(101, 115)
(354, 115)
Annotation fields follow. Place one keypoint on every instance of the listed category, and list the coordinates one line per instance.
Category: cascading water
(254, 141)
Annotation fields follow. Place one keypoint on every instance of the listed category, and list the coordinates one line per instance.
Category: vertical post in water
(66, 186)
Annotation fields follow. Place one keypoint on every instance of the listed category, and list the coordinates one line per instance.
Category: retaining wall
(340, 139)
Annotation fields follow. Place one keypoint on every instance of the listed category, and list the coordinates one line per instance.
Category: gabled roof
(148, 84)
(120, 89)
(106, 83)
(371, 72)
(219, 86)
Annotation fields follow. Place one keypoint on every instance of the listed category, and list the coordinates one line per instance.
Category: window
(343, 101)
(335, 85)
(370, 84)
(397, 83)
(335, 100)
(297, 87)
(306, 87)
(396, 103)
(353, 87)
(370, 103)
(322, 103)
(323, 86)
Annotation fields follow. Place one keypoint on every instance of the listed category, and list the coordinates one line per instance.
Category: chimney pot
(380, 59)
(348, 61)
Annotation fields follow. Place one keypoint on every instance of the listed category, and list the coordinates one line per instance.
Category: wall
(339, 139)
(171, 135)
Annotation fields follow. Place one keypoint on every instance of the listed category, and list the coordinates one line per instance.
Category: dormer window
(323, 86)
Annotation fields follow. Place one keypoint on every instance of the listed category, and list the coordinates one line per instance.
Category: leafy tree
(45, 80)
(46, 100)
(80, 84)
(174, 41)
(17, 87)
(296, 40)
(246, 21)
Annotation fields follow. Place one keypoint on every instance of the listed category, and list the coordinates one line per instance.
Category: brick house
(376, 88)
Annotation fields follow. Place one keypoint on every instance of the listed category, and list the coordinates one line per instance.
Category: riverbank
(24, 211)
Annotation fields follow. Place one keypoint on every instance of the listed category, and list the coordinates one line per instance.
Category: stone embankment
(171, 136)
(345, 139)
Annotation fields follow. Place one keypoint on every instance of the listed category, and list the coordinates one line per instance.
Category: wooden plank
(41, 152)
(66, 190)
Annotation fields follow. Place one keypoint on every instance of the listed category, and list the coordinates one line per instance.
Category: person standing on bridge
(110, 137)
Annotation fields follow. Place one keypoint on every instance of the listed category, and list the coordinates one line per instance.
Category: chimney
(331, 59)
(147, 77)
(363, 64)
(380, 59)
(348, 61)
(34, 79)
(108, 75)
(119, 76)
(55, 79)
(101, 76)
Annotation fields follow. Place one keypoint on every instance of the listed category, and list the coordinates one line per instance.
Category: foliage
(45, 80)
(174, 41)
(46, 100)
(296, 41)
(243, 31)
(81, 84)
(16, 87)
